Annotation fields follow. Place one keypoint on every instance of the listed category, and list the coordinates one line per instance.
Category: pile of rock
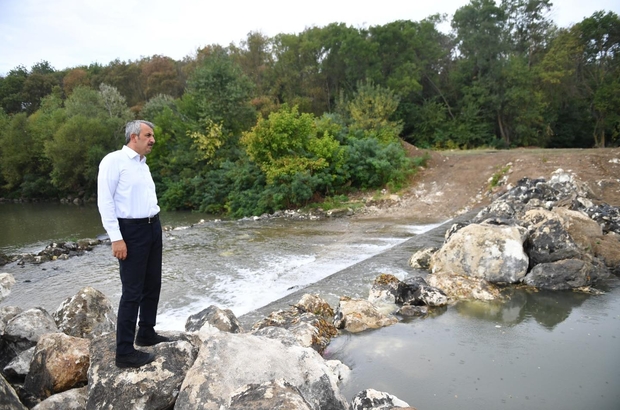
(548, 235)
(54, 251)
(66, 360)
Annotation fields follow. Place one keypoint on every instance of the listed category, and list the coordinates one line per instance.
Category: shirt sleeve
(107, 181)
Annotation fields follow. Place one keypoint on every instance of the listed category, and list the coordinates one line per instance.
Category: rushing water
(536, 351)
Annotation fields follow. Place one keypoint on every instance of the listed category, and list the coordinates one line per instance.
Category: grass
(497, 177)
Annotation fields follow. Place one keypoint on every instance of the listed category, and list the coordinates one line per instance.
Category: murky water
(537, 351)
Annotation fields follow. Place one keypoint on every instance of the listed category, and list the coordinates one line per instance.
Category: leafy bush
(373, 165)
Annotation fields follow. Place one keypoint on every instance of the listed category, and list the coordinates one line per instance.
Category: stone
(225, 320)
(549, 242)
(316, 305)
(59, 363)
(8, 396)
(566, 274)
(7, 313)
(228, 363)
(7, 281)
(276, 394)
(23, 332)
(308, 329)
(431, 296)
(459, 287)
(19, 367)
(357, 315)
(371, 399)
(74, 399)
(422, 258)
(86, 314)
(607, 248)
(413, 311)
(152, 386)
(384, 292)
(490, 252)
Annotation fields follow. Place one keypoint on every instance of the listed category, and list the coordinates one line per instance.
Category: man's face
(144, 142)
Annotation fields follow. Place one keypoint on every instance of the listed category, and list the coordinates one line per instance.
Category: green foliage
(372, 164)
(222, 93)
(370, 109)
(76, 150)
(287, 144)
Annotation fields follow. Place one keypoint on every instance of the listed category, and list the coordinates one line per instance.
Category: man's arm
(107, 181)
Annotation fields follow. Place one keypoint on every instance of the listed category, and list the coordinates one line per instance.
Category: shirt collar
(132, 154)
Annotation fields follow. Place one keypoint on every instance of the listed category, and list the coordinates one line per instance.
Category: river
(536, 351)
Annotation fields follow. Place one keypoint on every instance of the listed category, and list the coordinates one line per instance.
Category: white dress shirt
(125, 189)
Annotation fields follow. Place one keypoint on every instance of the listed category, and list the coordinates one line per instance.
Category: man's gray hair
(133, 127)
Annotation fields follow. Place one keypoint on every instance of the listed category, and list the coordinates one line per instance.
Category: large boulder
(6, 283)
(223, 319)
(152, 386)
(566, 274)
(8, 396)
(549, 241)
(230, 364)
(59, 363)
(491, 252)
(607, 248)
(86, 314)
(357, 315)
(74, 399)
(23, 332)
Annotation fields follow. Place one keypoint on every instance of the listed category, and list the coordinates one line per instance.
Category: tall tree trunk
(502, 129)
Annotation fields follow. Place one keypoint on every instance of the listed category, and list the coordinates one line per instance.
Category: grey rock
(86, 314)
(74, 399)
(152, 386)
(223, 319)
(228, 363)
(8, 396)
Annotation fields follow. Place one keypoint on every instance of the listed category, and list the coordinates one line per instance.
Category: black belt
(140, 221)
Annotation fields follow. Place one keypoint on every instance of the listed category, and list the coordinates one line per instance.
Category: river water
(536, 351)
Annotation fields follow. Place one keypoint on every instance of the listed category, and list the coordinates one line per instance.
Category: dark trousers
(141, 279)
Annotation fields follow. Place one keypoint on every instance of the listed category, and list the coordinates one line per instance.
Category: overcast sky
(68, 33)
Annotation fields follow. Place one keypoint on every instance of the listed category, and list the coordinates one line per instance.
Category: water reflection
(547, 308)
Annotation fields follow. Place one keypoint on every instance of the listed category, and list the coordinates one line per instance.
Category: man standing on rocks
(130, 215)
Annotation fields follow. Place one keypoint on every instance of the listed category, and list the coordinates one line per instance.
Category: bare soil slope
(459, 181)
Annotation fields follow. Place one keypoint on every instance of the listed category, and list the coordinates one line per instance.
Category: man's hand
(119, 249)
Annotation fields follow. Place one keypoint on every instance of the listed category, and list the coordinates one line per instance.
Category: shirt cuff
(115, 235)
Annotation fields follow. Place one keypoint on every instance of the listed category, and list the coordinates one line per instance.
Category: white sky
(68, 33)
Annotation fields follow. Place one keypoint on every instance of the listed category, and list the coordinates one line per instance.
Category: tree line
(276, 122)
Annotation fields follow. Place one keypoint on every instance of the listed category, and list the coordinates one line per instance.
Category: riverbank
(456, 182)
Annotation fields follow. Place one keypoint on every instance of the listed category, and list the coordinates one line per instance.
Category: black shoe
(150, 341)
(136, 359)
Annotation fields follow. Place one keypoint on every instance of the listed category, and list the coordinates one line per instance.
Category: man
(130, 215)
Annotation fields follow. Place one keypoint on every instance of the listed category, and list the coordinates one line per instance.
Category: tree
(74, 78)
(221, 93)
(11, 90)
(160, 76)
(370, 110)
(286, 144)
(114, 103)
(600, 36)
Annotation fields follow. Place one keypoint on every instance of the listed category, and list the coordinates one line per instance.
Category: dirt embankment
(458, 181)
